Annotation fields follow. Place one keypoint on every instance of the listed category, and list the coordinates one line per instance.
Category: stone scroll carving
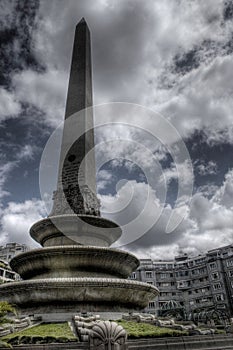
(101, 335)
(106, 335)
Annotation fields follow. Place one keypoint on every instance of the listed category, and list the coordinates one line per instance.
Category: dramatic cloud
(207, 224)
(171, 57)
(5, 170)
(9, 106)
(46, 91)
(207, 169)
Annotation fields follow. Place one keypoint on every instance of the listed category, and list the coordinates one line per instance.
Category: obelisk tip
(82, 21)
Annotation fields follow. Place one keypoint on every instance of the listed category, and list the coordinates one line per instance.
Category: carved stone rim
(112, 261)
(76, 228)
(82, 281)
(72, 248)
(88, 293)
(88, 218)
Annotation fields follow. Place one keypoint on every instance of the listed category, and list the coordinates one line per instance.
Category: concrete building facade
(192, 284)
(10, 250)
(6, 273)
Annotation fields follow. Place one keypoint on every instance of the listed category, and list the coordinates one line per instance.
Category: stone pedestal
(66, 276)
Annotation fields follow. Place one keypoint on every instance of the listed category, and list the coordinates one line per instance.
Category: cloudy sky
(170, 65)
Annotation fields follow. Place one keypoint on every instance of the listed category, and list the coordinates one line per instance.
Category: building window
(9, 275)
(217, 286)
(215, 275)
(165, 284)
(161, 303)
(213, 265)
(219, 297)
(199, 261)
(163, 275)
(148, 274)
(151, 305)
(202, 270)
(133, 276)
(230, 273)
(183, 284)
(230, 262)
(182, 273)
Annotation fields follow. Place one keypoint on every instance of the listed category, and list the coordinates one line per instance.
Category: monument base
(78, 295)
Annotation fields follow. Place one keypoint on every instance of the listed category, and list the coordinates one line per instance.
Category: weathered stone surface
(83, 326)
(75, 229)
(77, 194)
(79, 294)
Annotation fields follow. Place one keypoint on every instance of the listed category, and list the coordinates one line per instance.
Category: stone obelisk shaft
(80, 84)
(76, 190)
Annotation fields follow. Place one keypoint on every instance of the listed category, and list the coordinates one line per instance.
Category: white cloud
(17, 218)
(224, 195)
(180, 171)
(5, 170)
(202, 101)
(141, 214)
(6, 13)
(46, 91)
(207, 224)
(9, 106)
(26, 152)
(134, 46)
(104, 178)
(209, 168)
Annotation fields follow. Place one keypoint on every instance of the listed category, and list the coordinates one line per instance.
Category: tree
(5, 310)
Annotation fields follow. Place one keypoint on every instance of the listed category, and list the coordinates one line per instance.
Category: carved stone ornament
(72, 200)
(101, 335)
(106, 335)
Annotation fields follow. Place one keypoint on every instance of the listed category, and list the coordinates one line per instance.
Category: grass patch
(41, 334)
(144, 330)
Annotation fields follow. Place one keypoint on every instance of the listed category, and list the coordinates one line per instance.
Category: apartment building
(10, 250)
(6, 274)
(191, 285)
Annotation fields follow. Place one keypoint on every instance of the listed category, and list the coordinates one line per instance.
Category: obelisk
(76, 190)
